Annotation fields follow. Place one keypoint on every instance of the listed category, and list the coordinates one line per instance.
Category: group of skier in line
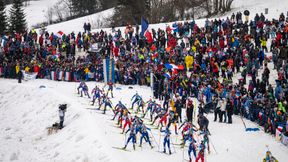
(134, 120)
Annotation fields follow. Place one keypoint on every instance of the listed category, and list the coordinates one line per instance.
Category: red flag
(59, 34)
(148, 36)
(153, 47)
(172, 42)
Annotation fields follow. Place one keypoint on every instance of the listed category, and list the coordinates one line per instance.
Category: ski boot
(134, 147)
(170, 152)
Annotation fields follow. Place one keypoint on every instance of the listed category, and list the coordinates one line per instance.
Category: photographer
(62, 110)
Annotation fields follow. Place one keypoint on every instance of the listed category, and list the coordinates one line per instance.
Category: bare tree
(49, 15)
(68, 7)
(207, 6)
(223, 6)
(58, 11)
(26, 3)
(227, 5)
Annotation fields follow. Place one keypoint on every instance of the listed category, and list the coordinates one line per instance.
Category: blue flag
(144, 26)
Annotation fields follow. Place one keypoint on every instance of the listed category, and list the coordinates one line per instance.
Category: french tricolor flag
(67, 76)
(167, 75)
(144, 30)
(53, 75)
(174, 67)
(280, 128)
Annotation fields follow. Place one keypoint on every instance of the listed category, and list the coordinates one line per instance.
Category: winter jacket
(283, 53)
(223, 106)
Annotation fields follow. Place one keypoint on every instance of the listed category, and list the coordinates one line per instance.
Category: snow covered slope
(76, 25)
(36, 11)
(26, 110)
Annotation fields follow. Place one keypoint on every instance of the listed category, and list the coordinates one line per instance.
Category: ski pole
(194, 111)
(155, 140)
(173, 146)
(124, 138)
(243, 122)
(213, 145)
(159, 140)
(183, 153)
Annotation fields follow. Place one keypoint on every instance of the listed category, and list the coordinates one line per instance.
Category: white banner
(90, 75)
(29, 76)
(284, 140)
(60, 76)
(278, 135)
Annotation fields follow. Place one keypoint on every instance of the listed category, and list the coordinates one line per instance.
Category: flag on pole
(173, 66)
(167, 75)
(144, 26)
(149, 37)
(59, 34)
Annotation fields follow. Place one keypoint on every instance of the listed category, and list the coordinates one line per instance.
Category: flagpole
(151, 83)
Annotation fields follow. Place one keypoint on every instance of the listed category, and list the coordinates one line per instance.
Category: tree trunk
(193, 13)
(224, 6)
(207, 8)
(220, 5)
(229, 3)
(216, 9)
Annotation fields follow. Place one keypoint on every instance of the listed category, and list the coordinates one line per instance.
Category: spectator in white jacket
(222, 110)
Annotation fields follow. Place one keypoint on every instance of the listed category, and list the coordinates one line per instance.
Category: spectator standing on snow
(85, 27)
(62, 110)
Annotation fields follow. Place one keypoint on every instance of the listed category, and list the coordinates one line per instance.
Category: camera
(63, 106)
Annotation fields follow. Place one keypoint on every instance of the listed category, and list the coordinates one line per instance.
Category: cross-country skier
(118, 109)
(96, 92)
(106, 102)
(163, 119)
(188, 134)
(156, 110)
(140, 104)
(84, 88)
(125, 117)
(172, 119)
(151, 105)
(144, 135)
(138, 122)
(192, 148)
(166, 139)
(110, 88)
(132, 136)
(206, 139)
(81, 85)
(186, 127)
(135, 99)
(203, 122)
(201, 152)
(160, 114)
